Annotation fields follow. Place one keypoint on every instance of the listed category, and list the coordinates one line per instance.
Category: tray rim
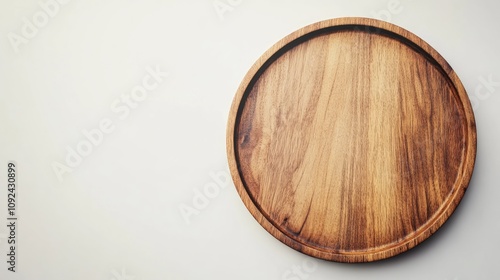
(435, 222)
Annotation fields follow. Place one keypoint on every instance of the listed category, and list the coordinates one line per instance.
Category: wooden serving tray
(351, 140)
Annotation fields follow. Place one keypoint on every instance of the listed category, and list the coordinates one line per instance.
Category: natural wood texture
(351, 140)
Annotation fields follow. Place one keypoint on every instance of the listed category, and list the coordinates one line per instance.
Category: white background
(116, 215)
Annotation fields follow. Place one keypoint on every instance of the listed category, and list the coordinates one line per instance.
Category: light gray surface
(117, 215)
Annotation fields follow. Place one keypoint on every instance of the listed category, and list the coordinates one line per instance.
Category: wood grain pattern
(351, 140)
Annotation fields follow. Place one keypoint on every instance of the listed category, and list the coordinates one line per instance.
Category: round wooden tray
(351, 140)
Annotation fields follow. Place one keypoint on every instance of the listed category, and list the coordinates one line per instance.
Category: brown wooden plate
(351, 140)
